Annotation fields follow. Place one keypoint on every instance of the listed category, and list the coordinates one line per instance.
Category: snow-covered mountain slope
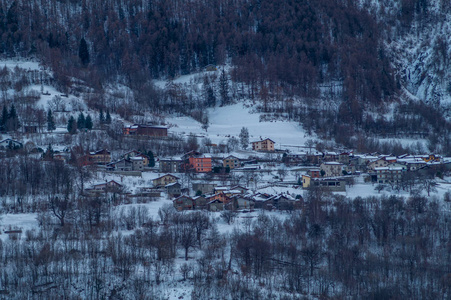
(424, 63)
(227, 121)
(419, 47)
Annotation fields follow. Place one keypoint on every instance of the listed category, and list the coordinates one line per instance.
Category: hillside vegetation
(339, 62)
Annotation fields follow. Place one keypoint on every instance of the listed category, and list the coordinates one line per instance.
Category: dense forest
(335, 248)
(290, 47)
(290, 44)
(321, 62)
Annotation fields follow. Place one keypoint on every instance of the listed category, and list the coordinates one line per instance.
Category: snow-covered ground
(227, 121)
(22, 222)
(20, 63)
(411, 143)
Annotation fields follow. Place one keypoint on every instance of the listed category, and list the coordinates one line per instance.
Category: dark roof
(150, 126)
(100, 151)
(105, 183)
(11, 140)
(172, 184)
(183, 196)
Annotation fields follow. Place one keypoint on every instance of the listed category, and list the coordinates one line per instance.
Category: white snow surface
(22, 222)
(227, 121)
(23, 64)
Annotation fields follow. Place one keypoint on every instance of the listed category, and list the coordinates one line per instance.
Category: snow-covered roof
(221, 188)
(137, 158)
(364, 156)
(134, 126)
(99, 151)
(389, 169)
(106, 182)
(171, 158)
(10, 140)
(331, 153)
(263, 141)
(332, 178)
(411, 161)
(165, 176)
(232, 192)
(231, 157)
(297, 153)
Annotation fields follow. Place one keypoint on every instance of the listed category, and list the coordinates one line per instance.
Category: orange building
(201, 164)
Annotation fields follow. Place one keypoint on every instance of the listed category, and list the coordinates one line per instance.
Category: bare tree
(60, 207)
(379, 188)
(201, 222)
(429, 185)
(57, 103)
(312, 256)
(228, 216)
(187, 235)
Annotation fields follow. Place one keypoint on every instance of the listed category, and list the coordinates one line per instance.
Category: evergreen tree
(101, 117)
(72, 125)
(12, 112)
(244, 137)
(12, 19)
(88, 122)
(211, 98)
(48, 154)
(50, 121)
(12, 122)
(151, 159)
(81, 122)
(209, 94)
(4, 119)
(224, 88)
(108, 117)
(83, 52)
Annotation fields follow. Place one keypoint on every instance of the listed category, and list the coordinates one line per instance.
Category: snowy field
(21, 222)
(227, 121)
(23, 64)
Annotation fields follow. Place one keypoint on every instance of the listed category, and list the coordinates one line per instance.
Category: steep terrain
(344, 70)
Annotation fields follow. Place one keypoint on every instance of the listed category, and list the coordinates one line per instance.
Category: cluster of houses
(384, 169)
(237, 198)
(333, 172)
(130, 161)
(328, 170)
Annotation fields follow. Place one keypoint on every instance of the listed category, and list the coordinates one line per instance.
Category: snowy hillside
(227, 121)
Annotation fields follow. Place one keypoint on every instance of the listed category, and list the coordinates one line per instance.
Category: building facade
(146, 130)
(266, 145)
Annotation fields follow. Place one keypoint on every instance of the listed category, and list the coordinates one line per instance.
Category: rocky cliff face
(418, 39)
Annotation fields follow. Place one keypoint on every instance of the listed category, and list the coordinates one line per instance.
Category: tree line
(322, 63)
(137, 41)
(374, 248)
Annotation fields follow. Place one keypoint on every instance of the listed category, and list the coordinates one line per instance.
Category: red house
(201, 164)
